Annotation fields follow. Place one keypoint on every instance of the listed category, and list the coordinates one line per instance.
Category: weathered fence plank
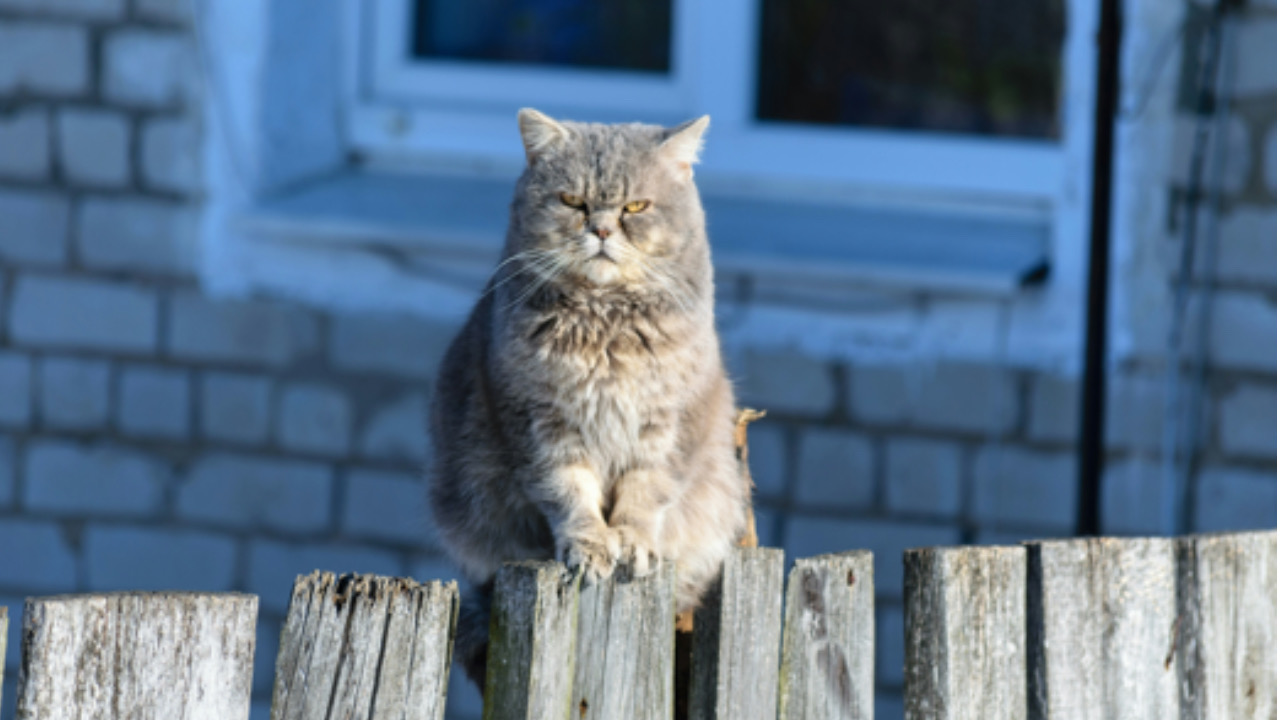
(532, 643)
(4, 641)
(1101, 628)
(177, 656)
(364, 646)
(735, 675)
(965, 633)
(1226, 634)
(828, 646)
(626, 648)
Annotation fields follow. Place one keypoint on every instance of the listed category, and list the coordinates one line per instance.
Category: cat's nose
(602, 231)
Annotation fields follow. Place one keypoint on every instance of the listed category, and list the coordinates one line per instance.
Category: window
(922, 99)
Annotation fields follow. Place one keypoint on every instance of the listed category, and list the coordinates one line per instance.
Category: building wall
(154, 435)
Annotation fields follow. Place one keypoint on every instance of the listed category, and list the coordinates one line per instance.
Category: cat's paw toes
(638, 556)
(595, 557)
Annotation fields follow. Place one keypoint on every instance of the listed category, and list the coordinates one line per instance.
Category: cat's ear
(540, 133)
(683, 143)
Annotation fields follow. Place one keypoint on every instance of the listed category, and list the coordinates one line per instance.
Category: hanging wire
(1181, 421)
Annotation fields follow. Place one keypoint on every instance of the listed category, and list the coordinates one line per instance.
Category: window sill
(464, 218)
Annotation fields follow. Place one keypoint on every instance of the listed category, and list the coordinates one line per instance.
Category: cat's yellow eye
(573, 201)
(636, 206)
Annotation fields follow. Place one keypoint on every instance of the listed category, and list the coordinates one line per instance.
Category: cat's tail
(471, 642)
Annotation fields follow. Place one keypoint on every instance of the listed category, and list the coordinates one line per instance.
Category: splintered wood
(167, 656)
(733, 679)
(532, 641)
(828, 647)
(365, 647)
(965, 642)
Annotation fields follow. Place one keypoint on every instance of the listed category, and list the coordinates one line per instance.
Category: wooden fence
(1092, 629)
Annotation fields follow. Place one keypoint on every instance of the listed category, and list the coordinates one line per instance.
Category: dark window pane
(987, 67)
(615, 34)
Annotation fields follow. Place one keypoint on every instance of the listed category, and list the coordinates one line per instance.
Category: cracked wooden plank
(734, 671)
(532, 643)
(362, 647)
(965, 633)
(1226, 636)
(171, 655)
(1101, 629)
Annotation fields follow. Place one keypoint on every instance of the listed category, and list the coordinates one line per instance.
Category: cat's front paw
(595, 555)
(639, 554)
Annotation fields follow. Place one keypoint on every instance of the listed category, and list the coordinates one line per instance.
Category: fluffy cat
(583, 412)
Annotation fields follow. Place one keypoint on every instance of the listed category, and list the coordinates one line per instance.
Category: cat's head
(608, 204)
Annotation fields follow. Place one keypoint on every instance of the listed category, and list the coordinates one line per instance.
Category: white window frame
(399, 110)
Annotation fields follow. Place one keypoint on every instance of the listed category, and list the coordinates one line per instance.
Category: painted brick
(241, 331)
(787, 382)
(835, 469)
(959, 397)
(235, 408)
(890, 638)
(155, 402)
(171, 154)
(386, 506)
(809, 536)
(37, 225)
(24, 144)
(315, 419)
(128, 558)
(1133, 499)
(65, 478)
(274, 565)
(1247, 421)
(44, 57)
(13, 657)
(86, 9)
(174, 11)
(93, 147)
(1022, 488)
(767, 534)
(1055, 409)
(1236, 162)
(398, 431)
(1269, 160)
(264, 656)
(75, 394)
(80, 313)
(1231, 499)
(147, 68)
(248, 491)
(923, 477)
(48, 564)
(767, 456)
(425, 568)
(1247, 245)
(149, 236)
(8, 470)
(15, 389)
(996, 536)
(1255, 49)
(464, 701)
(1135, 412)
(1242, 332)
(383, 343)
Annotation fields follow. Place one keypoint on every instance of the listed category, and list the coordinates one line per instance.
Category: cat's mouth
(602, 255)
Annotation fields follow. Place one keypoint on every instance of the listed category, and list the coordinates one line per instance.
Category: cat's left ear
(683, 144)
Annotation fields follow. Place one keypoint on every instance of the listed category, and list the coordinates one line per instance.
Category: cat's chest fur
(612, 376)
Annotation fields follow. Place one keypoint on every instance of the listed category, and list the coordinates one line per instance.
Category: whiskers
(544, 265)
(676, 290)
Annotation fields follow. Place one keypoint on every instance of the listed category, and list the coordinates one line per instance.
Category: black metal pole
(1094, 388)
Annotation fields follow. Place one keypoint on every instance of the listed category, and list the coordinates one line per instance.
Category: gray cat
(583, 411)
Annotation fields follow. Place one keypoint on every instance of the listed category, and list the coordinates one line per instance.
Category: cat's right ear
(540, 133)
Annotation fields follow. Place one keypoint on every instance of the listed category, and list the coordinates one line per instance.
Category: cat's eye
(573, 201)
(636, 206)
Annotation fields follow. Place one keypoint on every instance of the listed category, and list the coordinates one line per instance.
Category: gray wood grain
(626, 648)
(1101, 627)
(1226, 633)
(828, 645)
(965, 633)
(4, 641)
(734, 667)
(365, 646)
(167, 656)
(532, 643)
